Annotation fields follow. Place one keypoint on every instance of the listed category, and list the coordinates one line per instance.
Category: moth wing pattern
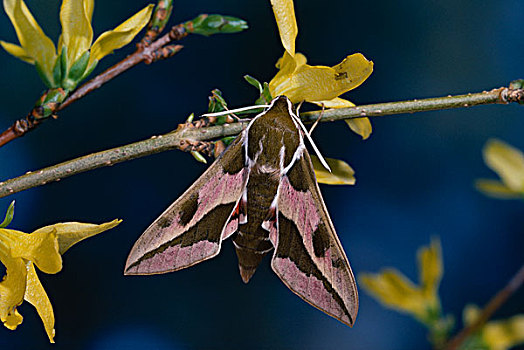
(192, 228)
(308, 255)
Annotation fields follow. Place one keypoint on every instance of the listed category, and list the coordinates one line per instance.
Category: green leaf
(161, 15)
(199, 157)
(254, 82)
(215, 24)
(216, 102)
(8, 215)
(228, 140)
(89, 70)
(517, 84)
(63, 62)
(77, 71)
(57, 72)
(265, 96)
(190, 118)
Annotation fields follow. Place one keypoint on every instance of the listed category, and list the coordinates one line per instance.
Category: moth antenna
(317, 121)
(230, 111)
(308, 136)
(298, 107)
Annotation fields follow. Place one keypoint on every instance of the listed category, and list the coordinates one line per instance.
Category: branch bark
(187, 134)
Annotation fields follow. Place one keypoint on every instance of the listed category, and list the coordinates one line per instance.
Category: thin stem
(145, 53)
(494, 304)
(430, 104)
(187, 134)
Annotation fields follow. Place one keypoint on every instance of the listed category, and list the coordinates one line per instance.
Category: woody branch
(188, 137)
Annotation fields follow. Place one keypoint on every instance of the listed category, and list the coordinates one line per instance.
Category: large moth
(262, 193)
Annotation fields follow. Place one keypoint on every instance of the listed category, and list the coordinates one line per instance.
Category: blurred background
(414, 174)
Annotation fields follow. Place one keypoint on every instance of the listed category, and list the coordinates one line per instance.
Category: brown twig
(494, 304)
(159, 49)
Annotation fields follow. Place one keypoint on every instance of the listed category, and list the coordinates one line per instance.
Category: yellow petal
(319, 83)
(287, 63)
(507, 162)
(360, 126)
(36, 296)
(77, 33)
(394, 290)
(470, 313)
(40, 248)
(70, 233)
(286, 66)
(430, 268)
(32, 38)
(12, 288)
(17, 51)
(504, 334)
(120, 36)
(341, 173)
(496, 189)
(13, 320)
(89, 6)
(287, 24)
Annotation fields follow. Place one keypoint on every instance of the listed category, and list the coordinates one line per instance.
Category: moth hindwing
(261, 192)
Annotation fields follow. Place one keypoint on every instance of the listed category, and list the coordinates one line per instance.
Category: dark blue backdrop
(414, 175)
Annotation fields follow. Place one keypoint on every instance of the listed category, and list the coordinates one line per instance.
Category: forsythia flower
(20, 252)
(77, 56)
(500, 334)
(317, 84)
(341, 173)
(508, 163)
(396, 291)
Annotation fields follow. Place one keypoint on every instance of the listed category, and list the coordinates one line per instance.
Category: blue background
(414, 175)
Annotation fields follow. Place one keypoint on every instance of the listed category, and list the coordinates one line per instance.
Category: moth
(263, 194)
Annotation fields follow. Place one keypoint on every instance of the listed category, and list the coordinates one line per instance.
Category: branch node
(515, 95)
(197, 146)
(178, 32)
(162, 53)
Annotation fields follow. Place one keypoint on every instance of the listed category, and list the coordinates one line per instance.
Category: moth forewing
(192, 228)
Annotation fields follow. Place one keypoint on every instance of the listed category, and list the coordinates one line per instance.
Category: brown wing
(192, 228)
(308, 257)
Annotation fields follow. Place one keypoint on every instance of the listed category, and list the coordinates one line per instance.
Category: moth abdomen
(250, 252)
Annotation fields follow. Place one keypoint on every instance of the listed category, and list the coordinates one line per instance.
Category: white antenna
(230, 111)
(322, 160)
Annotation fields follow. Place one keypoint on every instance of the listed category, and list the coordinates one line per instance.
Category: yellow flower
(316, 84)
(508, 163)
(341, 173)
(396, 291)
(20, 252)
(500, 334)
(77, 56)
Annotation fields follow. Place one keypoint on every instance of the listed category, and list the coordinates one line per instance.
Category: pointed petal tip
(246, 273)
